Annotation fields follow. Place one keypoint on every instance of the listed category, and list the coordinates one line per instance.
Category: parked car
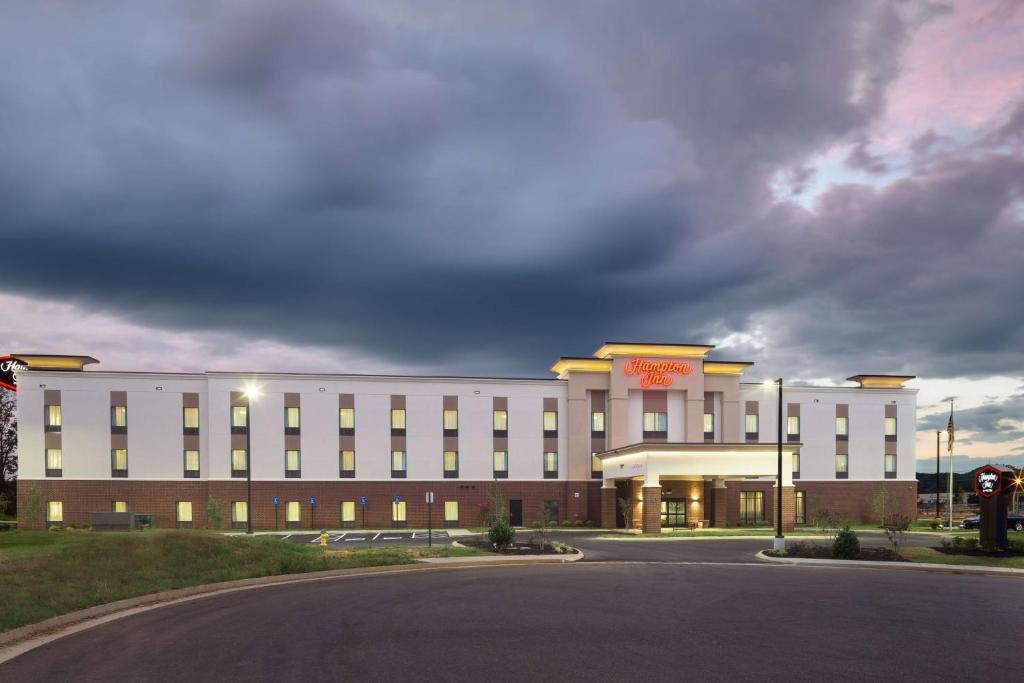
(1013, 521)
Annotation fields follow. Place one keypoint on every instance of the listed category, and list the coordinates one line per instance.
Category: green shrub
(501, 534)
(958, 545)
(846, 546)
(55, 527)
(936, 523)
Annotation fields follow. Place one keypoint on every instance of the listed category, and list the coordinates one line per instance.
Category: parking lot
(356, 537)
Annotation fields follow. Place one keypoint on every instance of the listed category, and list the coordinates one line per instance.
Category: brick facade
(651, 522)
(851, 500)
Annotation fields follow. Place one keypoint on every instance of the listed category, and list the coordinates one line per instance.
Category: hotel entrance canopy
(654, 461)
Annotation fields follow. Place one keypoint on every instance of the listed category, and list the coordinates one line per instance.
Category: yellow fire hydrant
(323, 537)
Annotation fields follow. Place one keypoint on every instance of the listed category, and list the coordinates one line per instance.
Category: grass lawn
(933, 555)
(43, 574)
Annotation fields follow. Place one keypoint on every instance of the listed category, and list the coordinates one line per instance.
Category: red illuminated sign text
(657, 372)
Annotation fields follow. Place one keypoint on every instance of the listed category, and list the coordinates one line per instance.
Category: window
(398, 463)
(191, 464)
(398, 514)
(890, 429)
(451, 464)
(450, 421)
(501, 464)
(239, 514)
(709, 425)
(239, 419)
(291, 421)
(451, 514)
(292, 515)
(751, 507)
(655, 424)
(347, 421)
(793, 425)
(118, 462)
(550, 423)
(348, 514)
(842, 465)
(398, 421)
(597, 424)
(348, 464)
(184, 515)
(752, 428)
(292, 464)
(120, 506)
(596, 468)
(239, 462)
(190, 420)
(54, 462)
(890, 466)
(796, 464)
(54, 512)
(800, 501)
(550, 465)
(118, 419)
(500, 420)
(842, 427)
(53, 418)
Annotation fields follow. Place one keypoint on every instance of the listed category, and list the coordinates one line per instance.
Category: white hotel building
(675, 435)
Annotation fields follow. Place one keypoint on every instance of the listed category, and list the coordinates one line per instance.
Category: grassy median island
(44, 574)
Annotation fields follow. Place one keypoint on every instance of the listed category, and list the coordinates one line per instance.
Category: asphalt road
(589, 621)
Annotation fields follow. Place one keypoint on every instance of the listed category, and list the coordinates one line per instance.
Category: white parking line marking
(392, 538)
(337, 538)
(286, 537)
(354, 539)
(376, 537)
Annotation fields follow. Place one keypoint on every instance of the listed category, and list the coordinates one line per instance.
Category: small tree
(543, 523)
(884, 504)
(500, 532)
(5, 503)
(847, 545)
(33, 505)
(626, 508)
(895, 530)
(8, 437)
(214, 513)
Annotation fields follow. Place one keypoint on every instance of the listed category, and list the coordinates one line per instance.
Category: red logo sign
(988, 481)
(657, 372)
(9, 366)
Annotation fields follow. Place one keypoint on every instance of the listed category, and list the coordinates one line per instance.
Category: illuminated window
(450, 420)
(119, 416)
(451, 513)
(655, 423)
(291, 421)
(597, 422)
(890, 465)
(398, 514)
(292, 513)
(398, 463)
(709, 423)
(347, 418)
(801, 507)
(398, 418)
(500, 419)
(348, 514)
(239, 419)
(190, 420)
(239, 462)
(550, 465)
(55, 511)
(292, 464)
(793, 425)
(184, 512)
(348, 464)
(751, 424)
(842, 464)
(451, 464)
(596, 467)
(54, 462)
(751, 507)
(53, 418)
(842, 426)
(239, 514)
(120, 506)
(500, 464)
(119, 462)
(550, 423)
(192, 464)
(890, 426)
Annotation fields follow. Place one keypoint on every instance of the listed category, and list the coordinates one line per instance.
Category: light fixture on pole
(251, 393)
(780, 540)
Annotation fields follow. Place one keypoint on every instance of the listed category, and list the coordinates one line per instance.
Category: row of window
(843, 465)
(293, 464)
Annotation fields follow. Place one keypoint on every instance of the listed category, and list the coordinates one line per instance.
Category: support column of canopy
(718, 501)
(609, 504)
(650, 509)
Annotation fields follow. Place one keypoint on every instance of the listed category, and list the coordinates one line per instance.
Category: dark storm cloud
(482, 187)
(996, 421)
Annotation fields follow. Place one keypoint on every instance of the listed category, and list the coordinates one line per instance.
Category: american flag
(949, 429)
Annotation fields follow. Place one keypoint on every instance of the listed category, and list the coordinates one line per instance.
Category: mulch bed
(824, 552)
(515, 548)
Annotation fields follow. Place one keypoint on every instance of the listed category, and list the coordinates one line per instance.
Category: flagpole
(949, 446)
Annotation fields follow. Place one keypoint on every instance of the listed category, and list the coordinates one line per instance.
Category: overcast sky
(478, 188)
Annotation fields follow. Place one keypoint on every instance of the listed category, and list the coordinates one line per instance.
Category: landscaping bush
(958, 545)
(936, 523)
(846, 546)
(501, 534)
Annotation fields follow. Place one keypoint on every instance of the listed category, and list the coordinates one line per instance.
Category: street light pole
(248, 466)
(780, 540)
(938, 478)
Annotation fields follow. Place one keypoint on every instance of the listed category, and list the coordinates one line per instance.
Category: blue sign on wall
(398, 499)
(276, 500)
(312, 500)
(362, 500)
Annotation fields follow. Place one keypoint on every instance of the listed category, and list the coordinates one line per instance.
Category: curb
(898, 566)
(25, 638)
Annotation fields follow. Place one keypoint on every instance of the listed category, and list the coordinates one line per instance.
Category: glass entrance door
(673, 513)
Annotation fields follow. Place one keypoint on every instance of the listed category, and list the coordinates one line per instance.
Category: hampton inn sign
(657, 372)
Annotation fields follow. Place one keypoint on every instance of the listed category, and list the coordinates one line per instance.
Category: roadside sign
(312, 500)
(430, 496)
(362, 500)
(277, 500)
